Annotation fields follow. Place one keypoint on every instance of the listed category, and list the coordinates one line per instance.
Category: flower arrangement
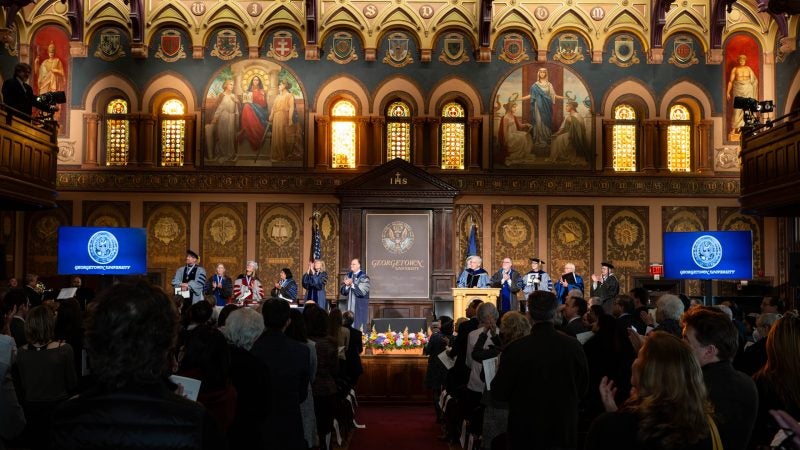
(391, 340)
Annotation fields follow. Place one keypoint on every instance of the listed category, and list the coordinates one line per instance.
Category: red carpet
(397, 428)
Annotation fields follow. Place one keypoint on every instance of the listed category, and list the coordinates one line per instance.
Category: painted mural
(50, 52)
(254, 116)
(542, 117)
(742, 69)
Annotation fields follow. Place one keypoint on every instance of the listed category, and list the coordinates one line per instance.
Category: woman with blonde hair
(778, 382)
(314, 281)
(668, 408)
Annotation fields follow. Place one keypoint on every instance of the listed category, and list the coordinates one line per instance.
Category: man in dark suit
(30, 289)
(18, 94)
(353, 368)
(574, 310)
(542, 376)
(289, 366)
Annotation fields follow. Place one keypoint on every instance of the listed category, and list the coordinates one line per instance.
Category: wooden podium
(462, 297)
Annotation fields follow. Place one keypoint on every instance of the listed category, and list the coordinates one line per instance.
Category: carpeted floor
(397, 428)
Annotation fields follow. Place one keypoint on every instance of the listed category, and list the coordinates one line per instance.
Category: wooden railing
(770, 177)
(28, 160)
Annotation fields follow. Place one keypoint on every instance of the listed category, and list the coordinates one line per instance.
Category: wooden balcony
(28, 160)
(770, 183)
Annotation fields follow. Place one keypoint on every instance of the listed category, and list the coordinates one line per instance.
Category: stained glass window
(173, 133)
(453, 134)
(343, 135)
(117, 133)
(624, 139)
(679, 139)
(398, 131)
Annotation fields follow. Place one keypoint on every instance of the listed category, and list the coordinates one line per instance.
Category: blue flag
(316, 244)
(472, 245)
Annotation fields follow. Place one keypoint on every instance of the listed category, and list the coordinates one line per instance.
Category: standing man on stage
(508, 280)
(220, 286)
(568, 281)
(474, 276)
(191, 278)
(535, 280)
(355, 288)
(605, 286)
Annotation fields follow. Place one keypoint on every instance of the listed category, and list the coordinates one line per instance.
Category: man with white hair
(669, 309)
(569, 280)
(474, 275)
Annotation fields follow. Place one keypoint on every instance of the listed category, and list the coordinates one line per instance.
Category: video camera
(751, 106)
(47, 103)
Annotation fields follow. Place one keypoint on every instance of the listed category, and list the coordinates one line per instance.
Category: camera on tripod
(751, 107)
(47, 102)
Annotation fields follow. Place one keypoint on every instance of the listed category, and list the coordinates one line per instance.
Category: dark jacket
(353, 367)
(19, 98)
(542, 376)
(618, 430)
(98, 419)
(735, 401)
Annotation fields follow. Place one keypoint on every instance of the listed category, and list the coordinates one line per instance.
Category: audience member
(777, 382)
(297, 331)
(324, 386)
(47, 373)
(668, 408)
(458, 376)
(608, 356)
(574, 310)
(69, 328)
(289, 370)
(32, 289)
(771, 304)
(12, 417)
(226, 310)
(18, 306)
(669, 309)
(130, 337)
(542, 377)
(623, 309)
(436, 372)
(754, 355)
(353, 367)
(713, 339)
(249, 376)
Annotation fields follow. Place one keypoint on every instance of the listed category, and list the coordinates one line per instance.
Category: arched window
(679, 139)
(343, 135)
(453, 133)
(173, 133)
(624, 138)
(398, 131)
(117, 133)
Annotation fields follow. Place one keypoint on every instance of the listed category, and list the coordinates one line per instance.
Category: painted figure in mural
(542, 97)
(741, 83)
(570, 142)
(50, 73)
(514, 136)
(225, 123)
(281, 119)
(254, 114)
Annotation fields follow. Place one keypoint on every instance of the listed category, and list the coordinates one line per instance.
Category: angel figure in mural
(542, 97)
(253, 126)
(513, 135)
(570, 142)
(50, 73)
(225, 124)
(741, 83)
(281, 119)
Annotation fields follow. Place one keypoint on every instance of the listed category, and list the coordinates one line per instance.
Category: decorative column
(189, 150)
(418, 146)
(378, 125)
(608, 146)
(92, 120)
(322, 148)
(363, 158)
(147, 140)
(473, 156)
(650, 147)
(703, 139)
(435, 149)
(133, 139)
(663, 154)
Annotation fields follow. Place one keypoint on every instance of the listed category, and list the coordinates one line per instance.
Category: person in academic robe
(191, 278)
(355, 289)
(285, 287)
(247, 287)
(568, 281)
(314, 281)
(507, 279)
(220, 286)
(535, 280)
(605, 285)
(474, 275)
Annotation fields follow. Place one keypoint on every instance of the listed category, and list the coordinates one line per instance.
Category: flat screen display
(102, 251)
(708, 255)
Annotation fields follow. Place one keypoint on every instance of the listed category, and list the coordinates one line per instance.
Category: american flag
(316, 244)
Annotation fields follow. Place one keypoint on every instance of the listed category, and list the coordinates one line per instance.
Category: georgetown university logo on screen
(707, 251)
(103, 247)
(397, 237)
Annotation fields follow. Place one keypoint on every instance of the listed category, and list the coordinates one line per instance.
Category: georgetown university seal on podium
(706, 251)
(103, 247)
